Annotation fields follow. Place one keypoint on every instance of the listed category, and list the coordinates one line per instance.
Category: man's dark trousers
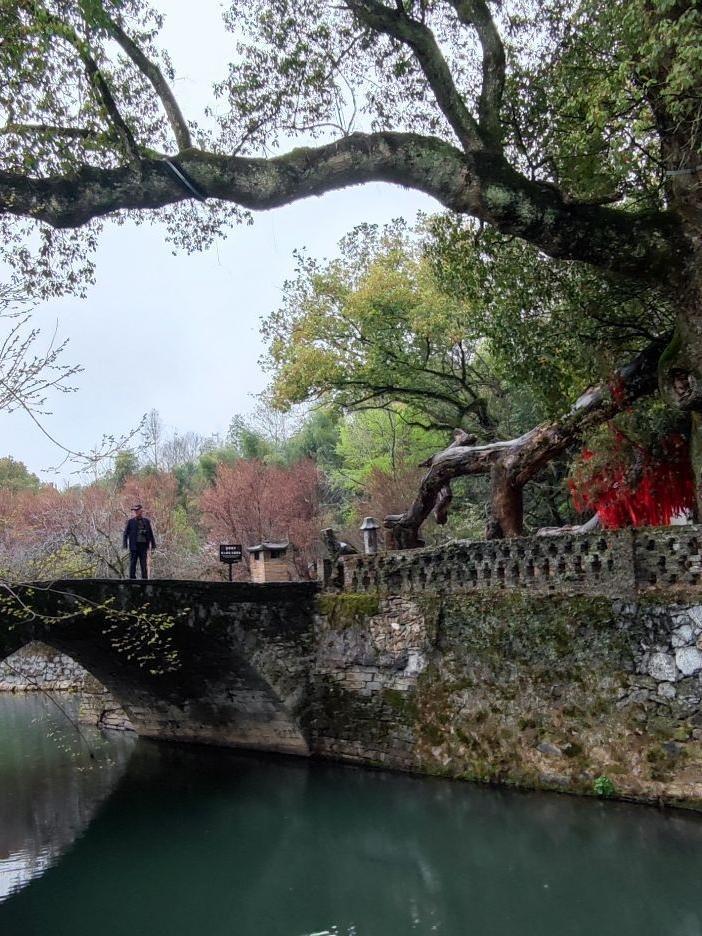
(140, 554)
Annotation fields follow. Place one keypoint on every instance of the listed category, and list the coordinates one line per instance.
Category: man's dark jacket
(130, 534)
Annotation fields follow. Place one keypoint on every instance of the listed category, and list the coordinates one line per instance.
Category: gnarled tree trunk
(513, 463)
(506, 504)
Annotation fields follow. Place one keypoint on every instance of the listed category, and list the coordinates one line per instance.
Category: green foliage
(184, 533)
(188, 475)
(126, 465)
(15, 476)
(385, 440)
(317, 438)
(609, 83)
(549, 328)
(247, 442)
(462, 325)
(412, 331)
(67, 560)
(210, 461)
(372, 328)
(142, 635)
(604, 787)
(599, 99)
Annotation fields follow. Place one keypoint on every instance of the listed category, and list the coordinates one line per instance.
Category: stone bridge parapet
(615, 563)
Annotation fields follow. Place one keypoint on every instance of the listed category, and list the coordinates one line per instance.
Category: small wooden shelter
(270, 562)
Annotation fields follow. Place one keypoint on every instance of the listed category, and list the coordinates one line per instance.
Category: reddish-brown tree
(251, 501)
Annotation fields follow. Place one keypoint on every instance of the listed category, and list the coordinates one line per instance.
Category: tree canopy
(572, 126)
(524, 115)
(460, 325)
(372, 328)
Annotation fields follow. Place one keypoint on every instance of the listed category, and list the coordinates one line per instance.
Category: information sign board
(230, 553)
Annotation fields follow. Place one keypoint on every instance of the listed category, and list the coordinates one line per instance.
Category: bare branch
(40, 129)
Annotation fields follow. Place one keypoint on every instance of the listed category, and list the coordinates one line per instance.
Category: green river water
(147, 839)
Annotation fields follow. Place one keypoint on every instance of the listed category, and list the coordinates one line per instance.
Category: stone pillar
(369, 529)
(325, 571)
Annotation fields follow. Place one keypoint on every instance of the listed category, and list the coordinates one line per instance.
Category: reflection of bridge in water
(51, 787)
(188, 661)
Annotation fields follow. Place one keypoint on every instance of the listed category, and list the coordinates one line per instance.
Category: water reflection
(50, 785)
(196, 840)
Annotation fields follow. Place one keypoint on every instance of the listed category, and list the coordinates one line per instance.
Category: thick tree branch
(392, 390)
(420, 39)
(515, 462)
(155, 76)
(476, 13)
(649, 247)
(102, 89)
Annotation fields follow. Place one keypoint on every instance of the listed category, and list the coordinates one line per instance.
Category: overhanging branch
(476, 13)
(420, 39)
(649, 247)
(42, 129)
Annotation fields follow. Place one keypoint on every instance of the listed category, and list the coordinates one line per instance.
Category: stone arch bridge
(211, 662)
(537, 662)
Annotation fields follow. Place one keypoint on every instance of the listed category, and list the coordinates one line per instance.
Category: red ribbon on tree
(646, 490)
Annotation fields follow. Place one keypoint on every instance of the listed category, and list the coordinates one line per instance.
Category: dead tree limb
(513, 463)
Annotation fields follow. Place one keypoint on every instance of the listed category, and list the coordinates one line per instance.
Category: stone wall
(617, 563)
(99, 707)
(541, 691)
(587, 677)
(37, 667)
(668, 557)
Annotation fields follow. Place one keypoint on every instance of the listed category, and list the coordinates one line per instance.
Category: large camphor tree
(576, 126)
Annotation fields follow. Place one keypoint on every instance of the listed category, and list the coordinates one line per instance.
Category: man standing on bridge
(138, 535)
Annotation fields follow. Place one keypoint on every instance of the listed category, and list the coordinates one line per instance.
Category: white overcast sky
(181, 334)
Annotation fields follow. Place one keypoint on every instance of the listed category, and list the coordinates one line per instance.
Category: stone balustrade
(612, 563)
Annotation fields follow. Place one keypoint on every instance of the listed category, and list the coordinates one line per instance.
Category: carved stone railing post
(369, 529)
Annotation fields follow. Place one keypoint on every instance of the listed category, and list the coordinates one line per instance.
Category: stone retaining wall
(39, 667)
(586, 675)
(540, 691)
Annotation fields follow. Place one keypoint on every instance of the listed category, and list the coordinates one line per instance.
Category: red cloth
(664, 487)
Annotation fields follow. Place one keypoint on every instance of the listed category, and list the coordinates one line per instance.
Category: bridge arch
(39, 667)
(238, 656)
